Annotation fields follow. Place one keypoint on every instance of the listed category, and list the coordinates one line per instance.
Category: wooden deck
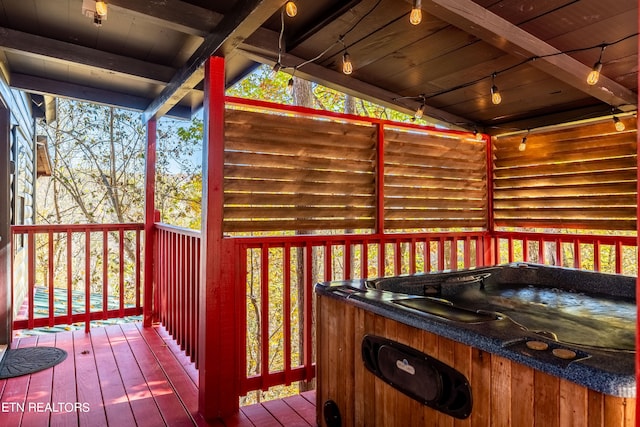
(125, 375)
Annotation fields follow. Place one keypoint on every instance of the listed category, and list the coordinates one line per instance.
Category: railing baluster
(105, 274)
(50, 281)
(69, 278)
(87, 281)
(31, 277)
(286, 335)
(122, 264)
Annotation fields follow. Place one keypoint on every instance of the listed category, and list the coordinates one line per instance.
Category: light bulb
(618, 124)
(523, 144)
(419, 112)
(101, 8)
(496, 98)
(291, 9)
(479, 136)
(290, 86)
(594, 75)
(347, 66)
(416, 12)
(275, 69)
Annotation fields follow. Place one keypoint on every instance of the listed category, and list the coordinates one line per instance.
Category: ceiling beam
(42, 47)
(175, 14)
(34, 84)
(262, 47)
(233, 29)
(491, 28)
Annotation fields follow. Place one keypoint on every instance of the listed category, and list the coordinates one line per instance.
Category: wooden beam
(491, 28)
(235, 27)
(174, 14)
(39, 47)
(44, 86)
(262, 46)
(5, 231)
(218, 351)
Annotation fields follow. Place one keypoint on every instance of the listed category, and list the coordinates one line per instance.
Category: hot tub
(529, 341)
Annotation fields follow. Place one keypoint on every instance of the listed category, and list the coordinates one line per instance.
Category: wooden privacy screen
(300, 173)
(434, 181)
(580, 177)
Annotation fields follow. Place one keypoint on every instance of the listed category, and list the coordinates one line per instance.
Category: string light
(416, 12)
(594, 75)
(496, 98)
(478, 135)
(523, 144)
(420, 111)
(347, 65)
(276, 67)
(618, 124)
(290, 86)
(291, 9)
(101, 8)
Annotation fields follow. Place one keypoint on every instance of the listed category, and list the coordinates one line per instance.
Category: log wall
(505, 393)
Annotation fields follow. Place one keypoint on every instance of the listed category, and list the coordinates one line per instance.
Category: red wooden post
(489, 241)
(218, 361)
(380, 186)
(149, 220)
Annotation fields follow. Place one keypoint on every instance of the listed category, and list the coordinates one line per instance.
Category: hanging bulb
(618, 124)
(478, 135)
(416, 12)
(420, 111)
(291, 9)
(496, 98)
(347, 66)
(101, 8)
(523, 144)
(290, 86)
(275, 69)
(594, 75)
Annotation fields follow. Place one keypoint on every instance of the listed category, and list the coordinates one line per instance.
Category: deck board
(127, 375)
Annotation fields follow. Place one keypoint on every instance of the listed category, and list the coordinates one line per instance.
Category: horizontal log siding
(434, 181)
(298, 173)
(581, 177)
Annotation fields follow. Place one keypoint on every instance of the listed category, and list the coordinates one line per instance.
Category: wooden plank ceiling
(149, 55)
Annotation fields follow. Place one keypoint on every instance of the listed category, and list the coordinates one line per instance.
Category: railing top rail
(567, 238)
(320, 239)
(59, 228)
(311, 112)
(178, 230)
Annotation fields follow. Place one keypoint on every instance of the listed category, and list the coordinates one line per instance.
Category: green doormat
(25, 361)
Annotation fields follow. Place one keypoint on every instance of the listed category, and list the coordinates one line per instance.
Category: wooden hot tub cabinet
(505, 393)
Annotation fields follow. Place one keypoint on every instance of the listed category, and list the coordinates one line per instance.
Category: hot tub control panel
(418, 375)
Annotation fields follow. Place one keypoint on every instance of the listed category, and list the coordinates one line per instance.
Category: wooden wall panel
(505, 393)
(434, 181)
(295, 173)
(580, 177)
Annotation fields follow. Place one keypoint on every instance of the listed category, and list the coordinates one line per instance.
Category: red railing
(607, 254)
(275, 284)
(177, 283)
(86, 272)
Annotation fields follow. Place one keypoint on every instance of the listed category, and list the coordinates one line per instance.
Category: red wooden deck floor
(125, 375)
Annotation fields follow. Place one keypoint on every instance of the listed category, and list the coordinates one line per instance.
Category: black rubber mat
(25, 361)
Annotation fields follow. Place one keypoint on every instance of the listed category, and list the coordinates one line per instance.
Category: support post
(6, 302)
(218, 358)
(380, 183)
(489, 241)
(149, 221)
(638, 255)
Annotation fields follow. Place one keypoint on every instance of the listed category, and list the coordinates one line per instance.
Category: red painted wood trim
(638, 255)
(218, 379)
(87, 281)
(32, 276)
(105, 274)
(149, 220)
(50, 278)
(380, 181)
